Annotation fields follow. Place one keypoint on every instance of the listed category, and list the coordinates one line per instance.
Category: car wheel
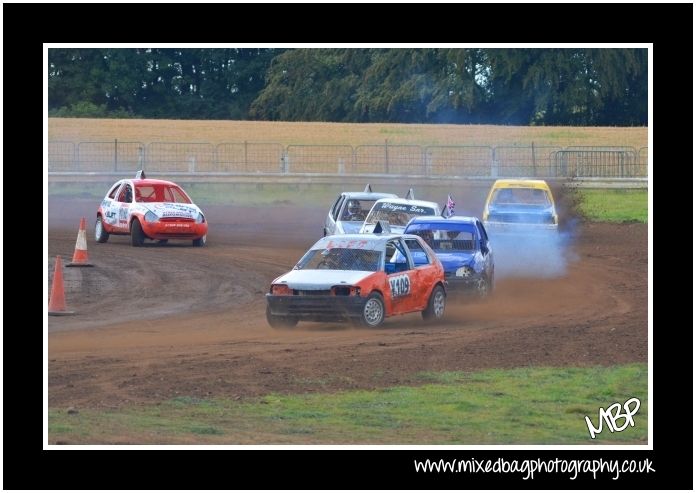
(137, 235)
(278, 322)
(436, 305)
(100, 234)
(199, 242)
(373, 311)
(483, 288)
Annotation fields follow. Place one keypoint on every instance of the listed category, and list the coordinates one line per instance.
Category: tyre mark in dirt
(219, 344)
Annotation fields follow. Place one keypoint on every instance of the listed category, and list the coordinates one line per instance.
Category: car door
(122, 204)
(423, 273)
(332, 216)
(485, 248)
(110, 208)
(402, 277)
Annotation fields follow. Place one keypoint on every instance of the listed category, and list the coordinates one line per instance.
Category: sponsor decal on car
(388, 206)
(359, 244)
(175, 214)
(400, 285)
(174, 206)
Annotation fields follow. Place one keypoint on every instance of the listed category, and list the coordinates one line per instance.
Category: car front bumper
(174, 231)
(316, 308)
(461, 284)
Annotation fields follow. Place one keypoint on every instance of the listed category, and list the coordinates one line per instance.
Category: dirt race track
(158, 322)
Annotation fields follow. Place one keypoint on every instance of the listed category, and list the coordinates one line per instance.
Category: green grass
(518, 406)
(222, 193)
(251, 194)
(613, 205)
(262, 194)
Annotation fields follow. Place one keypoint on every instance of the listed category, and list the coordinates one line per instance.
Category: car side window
(420, 256)
(112, 193)
(395, 258)
(126, 194)
(337, 207)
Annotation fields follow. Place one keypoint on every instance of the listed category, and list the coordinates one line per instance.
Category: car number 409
(400, 285)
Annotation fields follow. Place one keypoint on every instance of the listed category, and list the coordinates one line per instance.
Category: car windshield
(340, 259)
(356, 210)
(160, 192)
(526, 196)
(397, 214)
(446, 238)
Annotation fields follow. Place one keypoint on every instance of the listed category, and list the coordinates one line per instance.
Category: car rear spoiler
(368, 188)
(410, 195)
(140, 174)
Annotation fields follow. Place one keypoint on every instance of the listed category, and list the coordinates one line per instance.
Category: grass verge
(518, 406)
(613, 205)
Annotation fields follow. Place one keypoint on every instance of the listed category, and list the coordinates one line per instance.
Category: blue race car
(461, 243)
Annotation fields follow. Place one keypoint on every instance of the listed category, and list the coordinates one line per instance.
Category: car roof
(443, 220)
(521, 183)
(358, 241)
(150, 181)
(368, 195)
(402, 201)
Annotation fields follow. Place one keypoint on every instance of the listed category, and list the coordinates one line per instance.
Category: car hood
(452, 261)
(520, 209)
(321, 279)
(170, 209)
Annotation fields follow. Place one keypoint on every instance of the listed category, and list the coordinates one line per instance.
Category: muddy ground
(158, 322)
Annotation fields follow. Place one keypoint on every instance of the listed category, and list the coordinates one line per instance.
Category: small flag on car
(450, 206)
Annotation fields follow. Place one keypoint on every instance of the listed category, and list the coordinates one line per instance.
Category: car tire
(373, 311)
(100, 234)
(436, 304)
(278, 322)
(483, 288)
(137, 235)
(199, 242)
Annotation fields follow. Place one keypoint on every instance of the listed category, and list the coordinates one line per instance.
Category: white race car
(348, 212)
(149, 209)
(398, 212)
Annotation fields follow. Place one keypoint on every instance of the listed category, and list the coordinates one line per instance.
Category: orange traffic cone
(81, 257)
(56, 304)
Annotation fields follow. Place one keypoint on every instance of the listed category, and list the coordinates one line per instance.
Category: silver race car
(350, 209)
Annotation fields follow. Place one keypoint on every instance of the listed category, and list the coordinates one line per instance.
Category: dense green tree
(158, 83)
(567, 86)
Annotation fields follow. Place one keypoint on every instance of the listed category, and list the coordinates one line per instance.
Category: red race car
(362, 278)
(150, 209)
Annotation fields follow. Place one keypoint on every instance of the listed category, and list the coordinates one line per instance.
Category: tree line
(513, 86)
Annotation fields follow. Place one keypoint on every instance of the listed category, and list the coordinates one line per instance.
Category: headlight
(281, 290)
(346, 290)
(151, 217)
(200, 218)
(464, 272)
